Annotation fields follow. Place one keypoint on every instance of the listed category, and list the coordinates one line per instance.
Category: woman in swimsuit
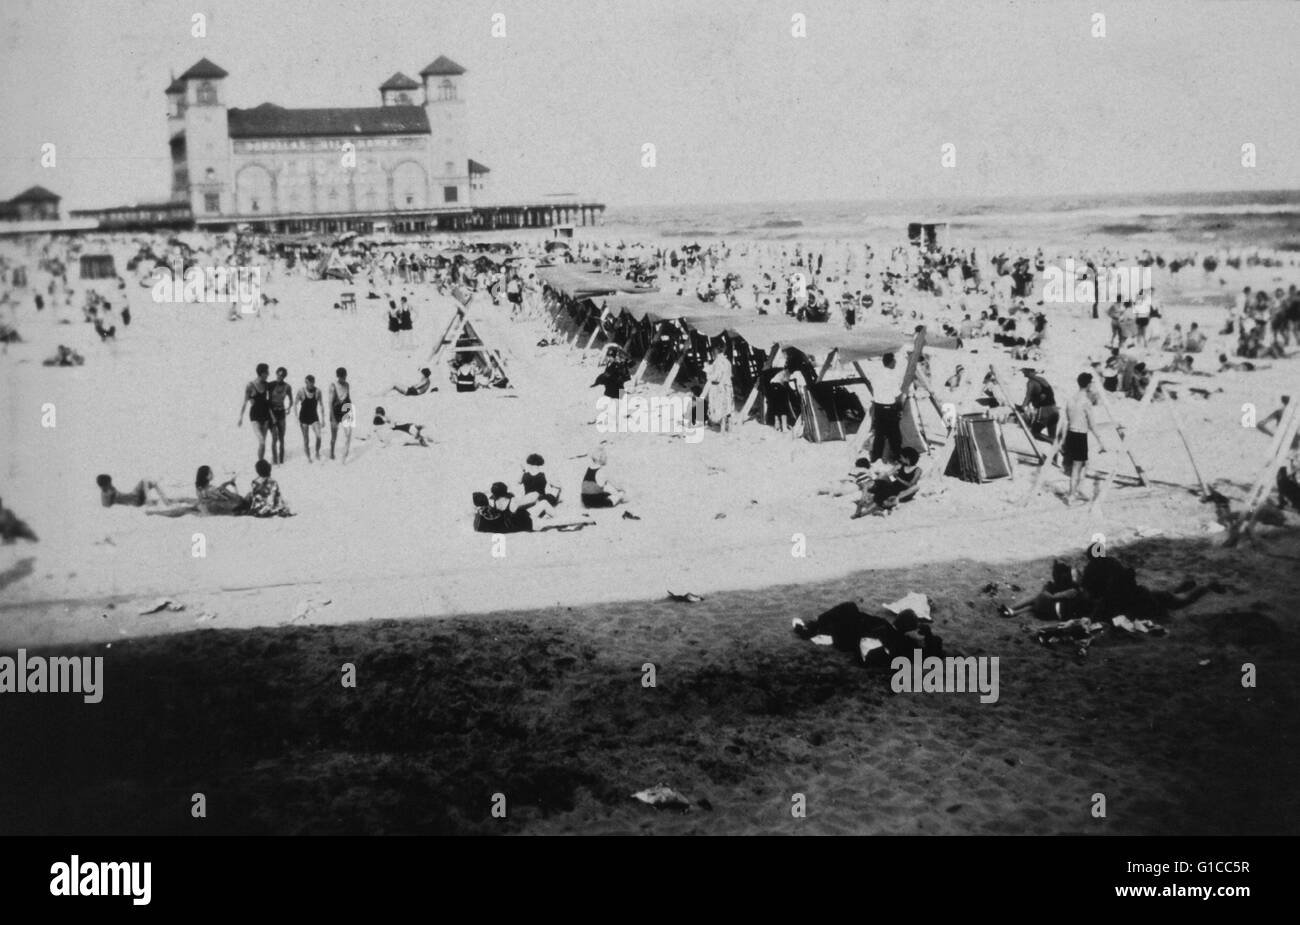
(598, 492)
(217, 499)
(341, 412)
(537, 493)
(308, 401)
(258, 394)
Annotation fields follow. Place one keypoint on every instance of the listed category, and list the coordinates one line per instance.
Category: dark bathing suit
(261, 408)
(337, 411)
(592, 494)
(307, 410)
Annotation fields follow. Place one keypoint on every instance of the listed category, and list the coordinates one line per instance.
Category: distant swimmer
(257, 402)
(341, 412)
(309, 402)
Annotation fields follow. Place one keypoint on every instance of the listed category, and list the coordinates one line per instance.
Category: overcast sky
(738, 108)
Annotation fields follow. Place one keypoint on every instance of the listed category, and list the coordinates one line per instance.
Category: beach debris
(918, 603)
(205, 617)
(661, 797)
(719, 516)
(990, 588)
(688, 598)
(162, 603)
(1203, 662)
(307, 607)
(1081, 629)
(628, 515)
(1137, 626)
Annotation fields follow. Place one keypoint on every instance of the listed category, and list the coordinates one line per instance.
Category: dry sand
(546, 705)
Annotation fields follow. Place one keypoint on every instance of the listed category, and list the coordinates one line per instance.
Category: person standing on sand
(1072, 440)
(341, 412)
(886, 392)
(258, 394)
(281, 402)
(310, 412)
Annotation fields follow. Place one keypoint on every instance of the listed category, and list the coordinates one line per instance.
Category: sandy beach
(520, 673)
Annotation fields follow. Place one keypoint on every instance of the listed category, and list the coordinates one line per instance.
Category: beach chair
(348, 302)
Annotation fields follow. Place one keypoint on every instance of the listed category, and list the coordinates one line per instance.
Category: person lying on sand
(496, 514)
(383, 423)
(1112, 590)
(136, 497)
(424, 385)
(883, 495)
(874, 639)
(1245, 366)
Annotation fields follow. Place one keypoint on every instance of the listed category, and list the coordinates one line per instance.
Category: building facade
(34, 204)
(404, 163)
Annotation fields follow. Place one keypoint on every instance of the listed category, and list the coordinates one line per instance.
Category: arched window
(207, 93)
(447, 90)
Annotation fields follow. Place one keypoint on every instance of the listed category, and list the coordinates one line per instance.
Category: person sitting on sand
(885, 494)
(1060, 599)
(64, 356)
(1174, 341)
(383, 422)
(597, 491)
(537, 494)
(220, 499)
(874, 639)
(265, 500)
(1194, 342)
(424, 385)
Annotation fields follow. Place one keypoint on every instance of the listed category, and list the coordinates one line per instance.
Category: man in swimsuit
(341, 412)
(281, 402)
(382, 420)
(258, 394)
(1072, 440)
(308, 401)
(136, 497)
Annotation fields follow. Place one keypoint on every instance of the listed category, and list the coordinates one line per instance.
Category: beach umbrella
(345, 236)
(556, 245)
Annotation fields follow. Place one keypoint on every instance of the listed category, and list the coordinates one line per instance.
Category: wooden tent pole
(1287, 430)
(1119, 432)
(1178, 426)
(1020, 420)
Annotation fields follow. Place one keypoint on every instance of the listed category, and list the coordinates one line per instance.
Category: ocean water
(1192, 221)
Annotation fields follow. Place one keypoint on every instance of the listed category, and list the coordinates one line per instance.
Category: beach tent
(462, 339)
(98, 266)
(332, 266)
